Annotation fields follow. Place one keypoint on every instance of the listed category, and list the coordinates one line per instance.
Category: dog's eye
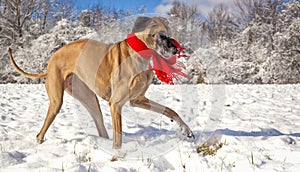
(163, 36)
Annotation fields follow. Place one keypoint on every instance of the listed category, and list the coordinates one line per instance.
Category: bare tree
(19, 13)
(14, 15)
(220, 24)
(85, 18)
(185, 22)
(265, 11)
(17, 17)
(246, 10)
(45, 9)
(63, 9)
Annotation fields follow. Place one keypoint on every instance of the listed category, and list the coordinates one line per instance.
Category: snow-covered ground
(258, 124)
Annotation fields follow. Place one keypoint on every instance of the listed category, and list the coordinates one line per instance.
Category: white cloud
(163, 8)
(204, 6)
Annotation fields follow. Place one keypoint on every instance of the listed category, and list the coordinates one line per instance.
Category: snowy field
(259, 126)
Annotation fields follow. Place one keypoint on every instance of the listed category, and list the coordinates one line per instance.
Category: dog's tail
(28, 75)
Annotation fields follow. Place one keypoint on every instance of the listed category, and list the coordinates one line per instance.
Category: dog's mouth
(165, 45)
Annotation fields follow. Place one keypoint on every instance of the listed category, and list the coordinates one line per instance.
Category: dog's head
(155, 33)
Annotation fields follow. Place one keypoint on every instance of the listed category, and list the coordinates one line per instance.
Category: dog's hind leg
(144, 103)
(54, 87)
(78, 89)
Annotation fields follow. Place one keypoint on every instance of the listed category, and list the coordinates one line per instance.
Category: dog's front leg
(118, 98)
(115, 110)
(143, 102)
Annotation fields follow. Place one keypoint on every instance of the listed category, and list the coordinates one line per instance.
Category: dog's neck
(166, 69)
(145, 39)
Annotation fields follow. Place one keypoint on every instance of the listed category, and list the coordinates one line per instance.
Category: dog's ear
(141, 24)
(165, 21)
(162, 20)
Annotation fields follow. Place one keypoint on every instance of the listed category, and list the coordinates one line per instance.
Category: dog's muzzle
(165, 45)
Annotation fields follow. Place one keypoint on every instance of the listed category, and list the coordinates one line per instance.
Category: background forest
(256, 42)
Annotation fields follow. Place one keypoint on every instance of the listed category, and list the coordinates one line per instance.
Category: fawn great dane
(117, 73)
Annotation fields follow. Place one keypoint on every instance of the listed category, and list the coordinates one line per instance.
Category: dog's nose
(175, 50)
(172, 46)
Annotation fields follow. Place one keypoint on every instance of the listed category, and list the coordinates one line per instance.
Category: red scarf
(165, 68)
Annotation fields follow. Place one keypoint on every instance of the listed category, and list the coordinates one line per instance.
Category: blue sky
(153, 6)
(126, 5)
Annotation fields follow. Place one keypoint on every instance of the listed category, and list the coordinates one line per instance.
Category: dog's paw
(39, 141)
(186, 131)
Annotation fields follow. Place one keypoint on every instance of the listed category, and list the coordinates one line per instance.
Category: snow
(258, 124)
